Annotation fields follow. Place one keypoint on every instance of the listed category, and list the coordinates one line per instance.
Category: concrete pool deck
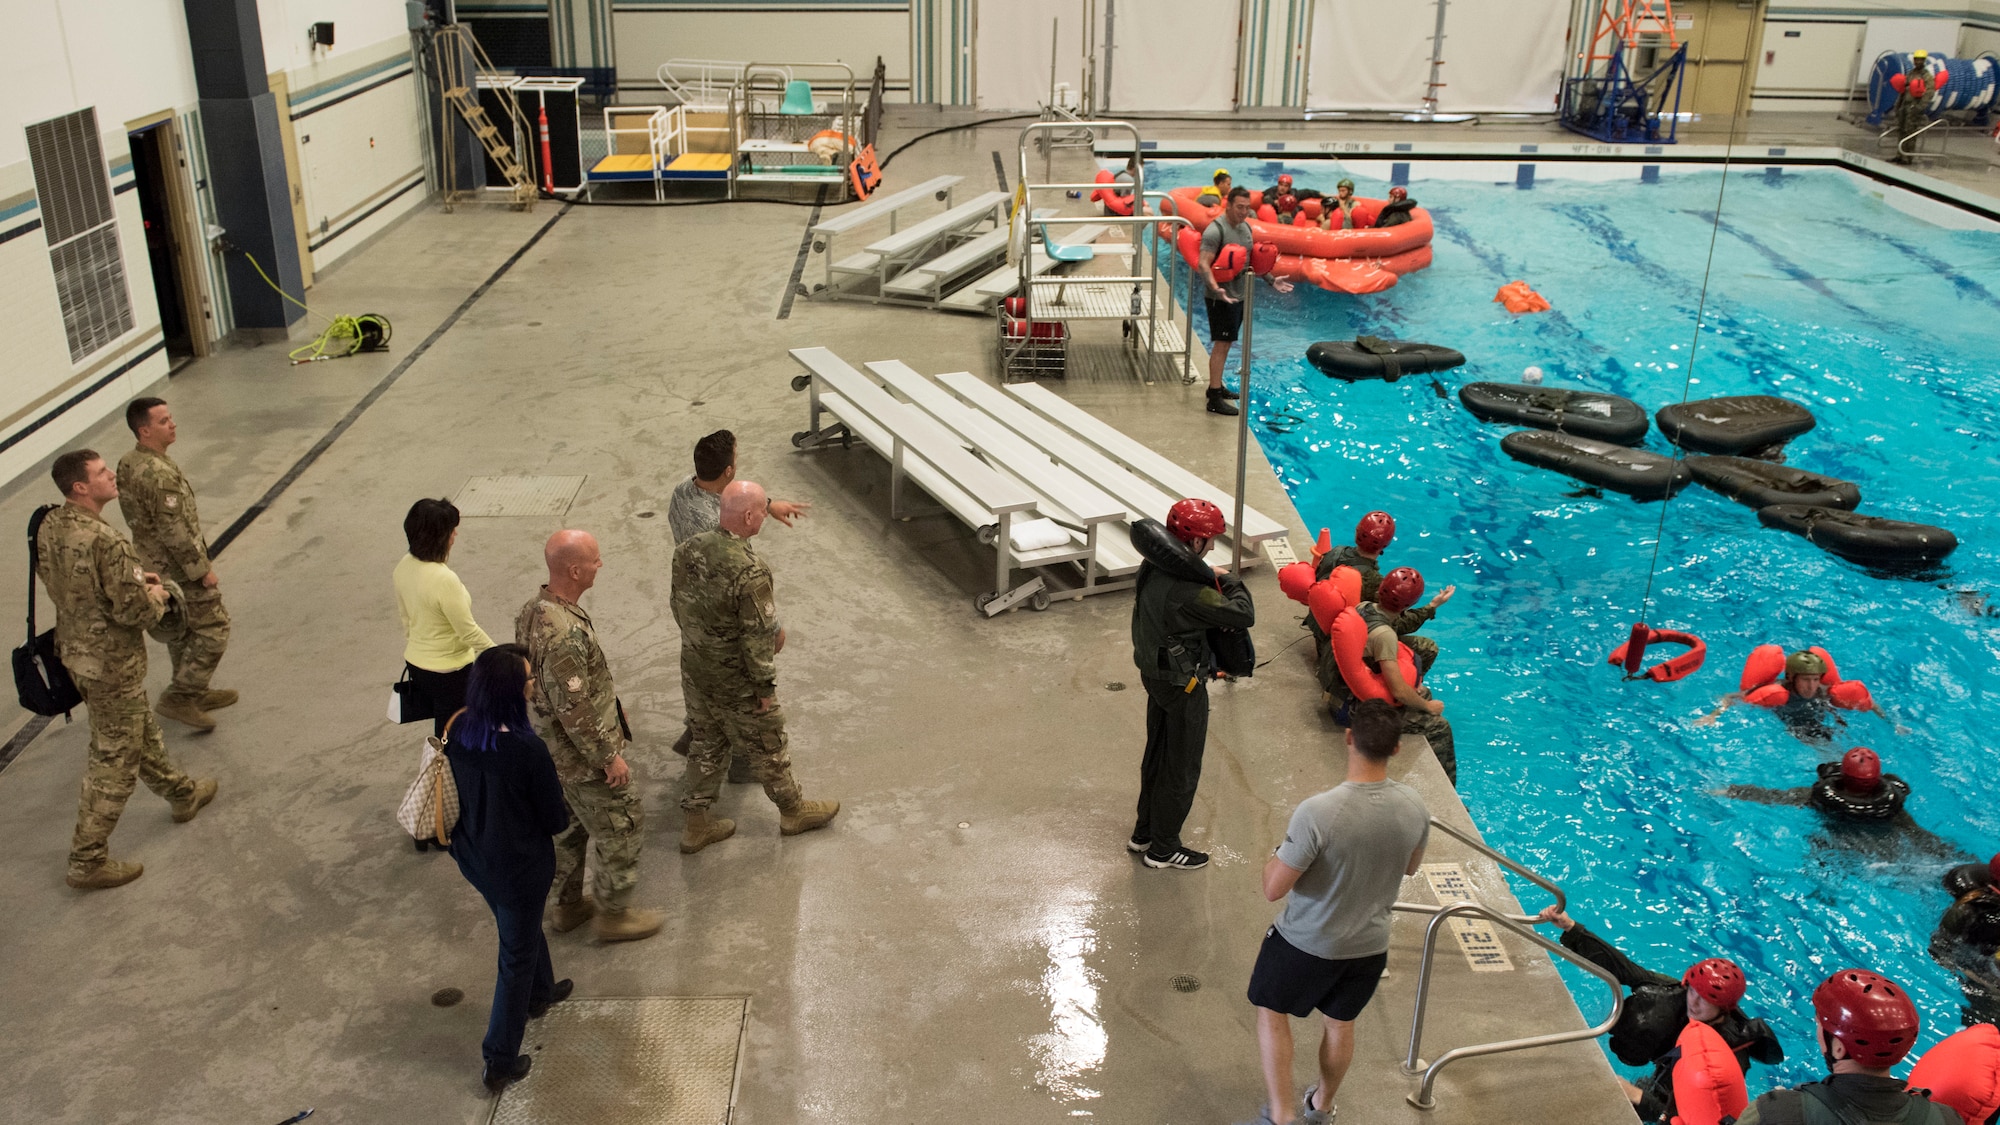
(969, 938)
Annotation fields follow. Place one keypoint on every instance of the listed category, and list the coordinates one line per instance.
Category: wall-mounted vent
(73, 190)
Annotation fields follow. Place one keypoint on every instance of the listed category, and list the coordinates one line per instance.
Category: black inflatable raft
(1366, 357)
(1868, 540)
(1761, 484)
(1756, 425)
(1583, 413)
(1634, 472)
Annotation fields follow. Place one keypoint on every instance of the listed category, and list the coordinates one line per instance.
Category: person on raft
(1967, 937)
(1866, 1023)
(1337, 213)
(1284, 187)
(1225, 298)
(1805, 704)
(1396, 212)
(1861, 803)
(1660, 1006)
(1219, 189)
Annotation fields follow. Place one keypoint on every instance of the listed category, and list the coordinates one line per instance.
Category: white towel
(1035, 535)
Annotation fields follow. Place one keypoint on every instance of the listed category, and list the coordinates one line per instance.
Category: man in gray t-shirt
(1344, 858)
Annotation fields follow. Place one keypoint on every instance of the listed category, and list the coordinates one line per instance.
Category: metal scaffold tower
(1626, 85)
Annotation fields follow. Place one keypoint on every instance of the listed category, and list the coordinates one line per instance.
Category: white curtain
(1012, 51)
(1173, 55)
(1501, 56)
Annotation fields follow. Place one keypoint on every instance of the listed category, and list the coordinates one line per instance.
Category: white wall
(1813, 55)
(359, 26)
(355, 118)
(1198, 35)
(1500, 55)
(1012, 50)
(649, 36)
(128, 59)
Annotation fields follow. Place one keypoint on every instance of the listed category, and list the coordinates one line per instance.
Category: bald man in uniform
(577, 714)
(730, 640)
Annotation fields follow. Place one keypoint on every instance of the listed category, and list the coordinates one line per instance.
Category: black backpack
(39, 676)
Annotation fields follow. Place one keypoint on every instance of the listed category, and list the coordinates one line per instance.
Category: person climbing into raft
(1659, 1007)
(1372, 536)
(1967, 937)
(1801, 689)
(1372, 668)
(1862, 805)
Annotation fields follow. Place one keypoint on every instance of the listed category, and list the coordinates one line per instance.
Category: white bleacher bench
(1144, 463)
(883, 259)
(981, 295)
(921, 450)
(1061, 494)
(883, 208)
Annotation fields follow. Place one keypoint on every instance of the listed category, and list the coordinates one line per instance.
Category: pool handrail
(1414, 1063)
(1562, 900)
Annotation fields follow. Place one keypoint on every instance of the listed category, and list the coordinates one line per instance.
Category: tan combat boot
(702, 830)
(185, 711)
(110, 873)
(568, 916)
(806, 816)
(204, 792)
(629, 925)
(214, 699)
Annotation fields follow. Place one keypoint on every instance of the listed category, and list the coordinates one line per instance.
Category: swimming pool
(1878, 309)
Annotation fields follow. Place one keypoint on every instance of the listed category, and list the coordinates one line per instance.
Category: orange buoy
(1520, 299)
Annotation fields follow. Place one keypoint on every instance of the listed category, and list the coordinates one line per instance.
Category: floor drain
(1114, 686)
(1186, 983)
(446, 997)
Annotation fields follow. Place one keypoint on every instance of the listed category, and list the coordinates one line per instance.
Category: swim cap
(1344, 183)
(1804, 663)
(1374, 531)
(1861, 769)
(1399, 590)
(1189, 520)
(1716, 980)
(1869, 1015)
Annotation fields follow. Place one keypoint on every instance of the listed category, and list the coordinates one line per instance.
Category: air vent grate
(73, 191)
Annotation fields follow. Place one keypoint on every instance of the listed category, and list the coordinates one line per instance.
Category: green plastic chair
(798, 97)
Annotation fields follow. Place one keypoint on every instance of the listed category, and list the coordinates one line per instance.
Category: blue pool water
(1885, 320)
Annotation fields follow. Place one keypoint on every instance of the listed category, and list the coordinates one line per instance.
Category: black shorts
(1288, 979)
(1225, 320)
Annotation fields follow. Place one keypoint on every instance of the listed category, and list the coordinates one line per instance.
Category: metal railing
(1562, 900)
(1414, 1064)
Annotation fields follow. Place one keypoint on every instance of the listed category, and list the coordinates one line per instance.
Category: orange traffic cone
(1323, 547)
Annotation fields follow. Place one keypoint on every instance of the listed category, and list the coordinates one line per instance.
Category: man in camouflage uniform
(1421, 713)
(1371, 537)
(104, 600)
(158, 504)
(730, 639)
(576, 713)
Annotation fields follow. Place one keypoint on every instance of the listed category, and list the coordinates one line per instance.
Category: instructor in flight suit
(104, 598)
(730, 638)
(158, 504)
(577, 714)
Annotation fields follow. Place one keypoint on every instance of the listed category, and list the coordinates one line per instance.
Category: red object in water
(548, 171)
(1635, 649)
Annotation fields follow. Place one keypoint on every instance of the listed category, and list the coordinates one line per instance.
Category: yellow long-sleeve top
(437, 617)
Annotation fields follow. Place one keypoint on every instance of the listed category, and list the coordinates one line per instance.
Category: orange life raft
(1339, 261)
(1118, 200)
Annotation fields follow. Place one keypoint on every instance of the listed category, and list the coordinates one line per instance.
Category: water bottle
(1135, 302)
(1074, 194)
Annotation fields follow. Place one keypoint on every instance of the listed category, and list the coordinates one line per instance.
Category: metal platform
(647, 1061)
(517, 496)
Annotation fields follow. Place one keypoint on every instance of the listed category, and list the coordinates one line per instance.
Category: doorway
(156, 172)
(1720, 45)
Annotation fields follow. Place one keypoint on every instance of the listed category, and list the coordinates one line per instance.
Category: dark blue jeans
(525, 977)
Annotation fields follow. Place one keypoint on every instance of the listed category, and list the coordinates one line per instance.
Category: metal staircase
(454, 46)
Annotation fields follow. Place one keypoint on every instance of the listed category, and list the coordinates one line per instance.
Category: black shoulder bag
(39, 676)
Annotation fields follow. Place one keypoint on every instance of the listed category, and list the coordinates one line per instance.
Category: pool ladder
(1516, 924)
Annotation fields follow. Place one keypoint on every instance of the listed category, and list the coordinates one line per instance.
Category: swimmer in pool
(1968, 937)
(1807, 705)
(1863, 807)
(1660, 1006)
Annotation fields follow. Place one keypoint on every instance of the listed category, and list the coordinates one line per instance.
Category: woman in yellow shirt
(436, 610)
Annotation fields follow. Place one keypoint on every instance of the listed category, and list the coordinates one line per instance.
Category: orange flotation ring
(1332, 602)
(1520, 299)
(1708, 1081)
(1963, 1072)
(1633, 652)
(1765, 665)
(1295, 580)
(1116, 201)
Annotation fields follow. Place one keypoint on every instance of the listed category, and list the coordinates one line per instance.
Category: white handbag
(430, 808)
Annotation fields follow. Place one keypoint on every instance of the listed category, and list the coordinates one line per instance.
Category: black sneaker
(1217, 404)
(1225, 392)
(1184, 858)
(1138, 844)
(557, 995)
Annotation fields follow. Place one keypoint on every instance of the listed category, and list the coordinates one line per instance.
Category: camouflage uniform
(1436, 729)
(102, 609)
(576, 713)
(159, 507)
(724, 605)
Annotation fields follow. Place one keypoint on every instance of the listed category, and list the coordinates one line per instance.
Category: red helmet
(1861, 769)
(1284, 178)
(1715, 980)
(1191, 519)
(1397, 193)
(1869, 1014)
(1399, 590)
(1375, 531)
